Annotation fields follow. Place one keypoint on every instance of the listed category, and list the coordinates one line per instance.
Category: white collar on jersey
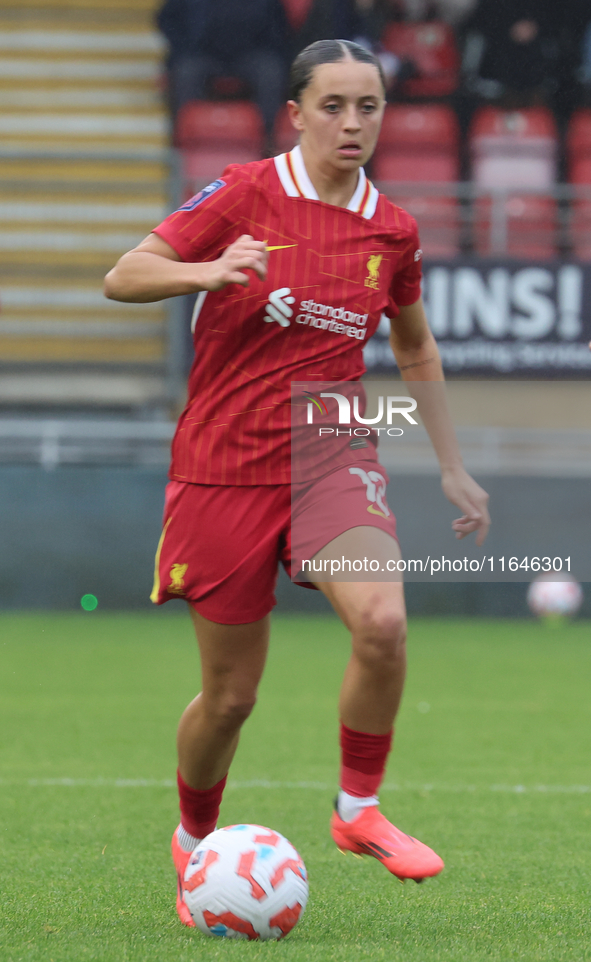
(296, 183)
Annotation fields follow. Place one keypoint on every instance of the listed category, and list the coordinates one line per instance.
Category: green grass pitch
(491, 767)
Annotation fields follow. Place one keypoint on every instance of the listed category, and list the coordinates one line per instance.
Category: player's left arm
(417, 356)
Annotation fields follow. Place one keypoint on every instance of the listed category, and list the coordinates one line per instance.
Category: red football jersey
(332, 272)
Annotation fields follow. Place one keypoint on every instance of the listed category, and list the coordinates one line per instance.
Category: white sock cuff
(350, 806)
(187, 842)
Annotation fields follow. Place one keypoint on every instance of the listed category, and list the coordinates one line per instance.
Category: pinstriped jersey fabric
(332, 273)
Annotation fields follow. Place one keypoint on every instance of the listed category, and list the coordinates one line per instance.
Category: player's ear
(295, 114)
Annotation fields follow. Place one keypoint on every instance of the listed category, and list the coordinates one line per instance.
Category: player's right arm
(153, 270)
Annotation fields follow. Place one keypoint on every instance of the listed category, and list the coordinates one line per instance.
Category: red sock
(363, 761)
(199, 809)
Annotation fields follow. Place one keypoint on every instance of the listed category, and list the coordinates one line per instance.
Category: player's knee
(232, 710)
(381, 637)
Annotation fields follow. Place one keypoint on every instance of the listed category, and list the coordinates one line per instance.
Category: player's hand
(244, 254)
(469, 497)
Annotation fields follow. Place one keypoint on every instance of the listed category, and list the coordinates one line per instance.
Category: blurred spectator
(575, 56)
(407, 62)
(586, 62)
(245, 39)
(452, 11)
(360, 20)
(312, 20)
(581, 44)
(512, 50)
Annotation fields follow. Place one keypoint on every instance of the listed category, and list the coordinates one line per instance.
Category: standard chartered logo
(322, 317)
(278, 308)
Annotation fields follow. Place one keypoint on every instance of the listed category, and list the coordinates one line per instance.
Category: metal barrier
(504, 451)
(487, 218)
(51, 443)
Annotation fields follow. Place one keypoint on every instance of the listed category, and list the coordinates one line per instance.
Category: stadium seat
(514, 148)
(419, 125)
(531, 227)
(417, 167)
(418, 143)
(207, 163)
(438, 219)
(284, 134)
(578, 149)
(202, 123)
(431, 47)
(578, 138)
(580, 170)
(580, 228)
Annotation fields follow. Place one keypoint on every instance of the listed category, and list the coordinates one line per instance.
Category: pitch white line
(307, 786)
(97, 782)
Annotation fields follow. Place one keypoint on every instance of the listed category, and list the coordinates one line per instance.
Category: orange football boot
(372, 834)
(181, 859)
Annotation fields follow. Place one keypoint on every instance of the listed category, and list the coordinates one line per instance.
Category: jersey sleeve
(406, 283)
(210, 221)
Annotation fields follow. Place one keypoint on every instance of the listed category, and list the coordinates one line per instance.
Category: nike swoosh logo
(373, 510)
(281, 247)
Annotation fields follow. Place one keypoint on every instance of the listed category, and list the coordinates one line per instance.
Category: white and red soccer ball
(246, 882)
(554, 595)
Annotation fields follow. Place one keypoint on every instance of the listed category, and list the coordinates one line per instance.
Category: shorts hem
(212, 613)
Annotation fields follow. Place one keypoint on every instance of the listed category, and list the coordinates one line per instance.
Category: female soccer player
(277, 250)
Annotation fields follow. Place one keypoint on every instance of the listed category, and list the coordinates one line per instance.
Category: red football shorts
(221, 544)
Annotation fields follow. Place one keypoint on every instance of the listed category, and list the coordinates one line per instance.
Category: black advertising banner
(503, 317)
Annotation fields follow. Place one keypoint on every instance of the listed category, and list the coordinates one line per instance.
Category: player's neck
(332, 186)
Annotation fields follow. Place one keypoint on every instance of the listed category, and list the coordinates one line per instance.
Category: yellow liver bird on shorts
(177, 574)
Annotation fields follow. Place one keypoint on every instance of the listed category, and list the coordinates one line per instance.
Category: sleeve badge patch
(203, 195)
